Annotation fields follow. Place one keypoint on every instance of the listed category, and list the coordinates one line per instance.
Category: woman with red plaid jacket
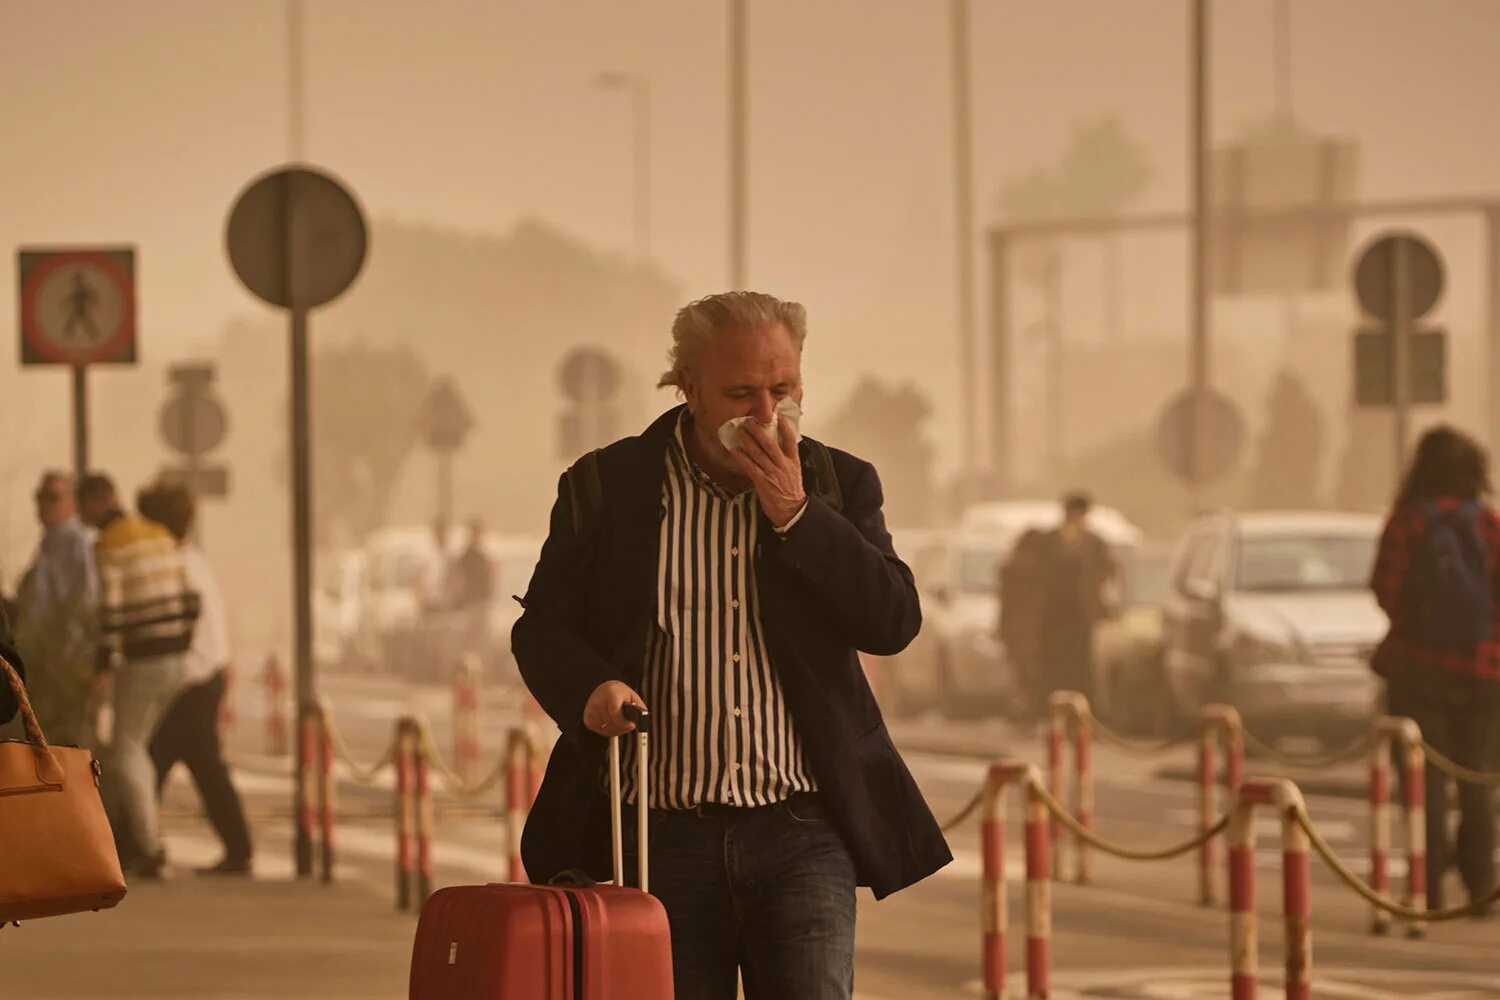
(1437, 575)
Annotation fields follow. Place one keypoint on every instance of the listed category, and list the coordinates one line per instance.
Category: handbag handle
(34, 734)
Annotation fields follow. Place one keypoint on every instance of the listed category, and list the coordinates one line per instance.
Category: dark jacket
(832, 585)
(8, 650)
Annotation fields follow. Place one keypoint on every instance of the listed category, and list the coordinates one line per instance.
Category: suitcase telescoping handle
(642, 719)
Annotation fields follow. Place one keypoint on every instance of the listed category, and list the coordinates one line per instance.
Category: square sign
(77, 306)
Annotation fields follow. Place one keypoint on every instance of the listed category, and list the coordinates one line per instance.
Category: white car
(1272, 612)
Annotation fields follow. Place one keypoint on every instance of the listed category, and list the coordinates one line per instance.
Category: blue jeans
(767, 893)
(144, 690)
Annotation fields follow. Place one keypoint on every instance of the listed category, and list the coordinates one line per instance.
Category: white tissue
(729, 430)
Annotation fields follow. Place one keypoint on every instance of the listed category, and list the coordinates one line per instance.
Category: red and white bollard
(1221, 722)
(405, 813)
(994, 916)
(1405, 734)
(275, 682)
(423, 791)
(1067, 708)
(1296, 894)
(466, 748)
(517, 798)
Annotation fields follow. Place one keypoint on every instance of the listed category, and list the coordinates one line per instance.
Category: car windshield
(1306, 562)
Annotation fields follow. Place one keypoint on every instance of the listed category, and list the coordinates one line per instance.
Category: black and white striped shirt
(722, 732)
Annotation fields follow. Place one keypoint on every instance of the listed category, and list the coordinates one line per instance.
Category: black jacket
(8, 650)
(832, 585)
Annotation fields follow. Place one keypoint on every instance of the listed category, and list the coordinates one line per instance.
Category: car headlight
(1251, 650)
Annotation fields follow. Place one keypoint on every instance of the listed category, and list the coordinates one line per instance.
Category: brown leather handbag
(57, 854)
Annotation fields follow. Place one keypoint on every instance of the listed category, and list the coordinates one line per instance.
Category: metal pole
(1401, 331)
(1055, 362)
(963, 235)
(642, 101)
(295, 135)
(302, 662)
(80, 422)
(737, 144)
(1199, 349)
(1000, 355)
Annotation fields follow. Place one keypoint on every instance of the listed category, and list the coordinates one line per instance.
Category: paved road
(1135, 934)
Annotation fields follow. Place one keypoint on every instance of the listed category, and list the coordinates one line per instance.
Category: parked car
(977, 677)
(1129, 647)
(1272, 613)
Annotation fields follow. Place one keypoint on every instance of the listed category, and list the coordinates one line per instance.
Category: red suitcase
(536, 942)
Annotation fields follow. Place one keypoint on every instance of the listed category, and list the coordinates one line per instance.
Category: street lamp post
(639, 89)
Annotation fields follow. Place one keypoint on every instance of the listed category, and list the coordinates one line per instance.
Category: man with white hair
(723, 572)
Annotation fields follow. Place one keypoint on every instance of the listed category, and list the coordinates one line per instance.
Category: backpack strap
(819, 477)
(585, 494)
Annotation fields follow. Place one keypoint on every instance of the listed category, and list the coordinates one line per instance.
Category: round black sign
(296, 238)
(1223, 436)
(1375, 276)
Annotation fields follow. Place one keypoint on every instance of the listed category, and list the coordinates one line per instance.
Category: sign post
(77, 309)
(1398, 279)
(297, 239)
(445, 423)
(192, 423)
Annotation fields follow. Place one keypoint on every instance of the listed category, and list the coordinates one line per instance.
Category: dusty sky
(139, 121)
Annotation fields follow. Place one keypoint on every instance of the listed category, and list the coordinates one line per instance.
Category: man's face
(741, 374)
(95, 509)
(54, 502)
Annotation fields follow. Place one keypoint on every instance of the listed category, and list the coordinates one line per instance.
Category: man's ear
(689, 386)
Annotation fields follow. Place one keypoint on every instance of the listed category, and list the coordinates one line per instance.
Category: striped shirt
(721, 729)
(146, 608)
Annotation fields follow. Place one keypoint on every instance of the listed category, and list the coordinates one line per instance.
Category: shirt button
(734, 604)
(736, 765)
(735, 551)
(736, 713)
(736, 657)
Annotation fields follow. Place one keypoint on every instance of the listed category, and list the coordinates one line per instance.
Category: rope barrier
(1118, 850)
(965, 812)
(361, 775)
(1353, 881)
(453, 782)
(1143, 748)
(1458, 771)
(1354, 751)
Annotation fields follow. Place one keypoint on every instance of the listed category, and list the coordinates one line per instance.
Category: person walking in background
(1435, 576)
(475, 572)
(1079, 572)
(56, 620)
(146, 616)
(189, 732)
(1023, 586)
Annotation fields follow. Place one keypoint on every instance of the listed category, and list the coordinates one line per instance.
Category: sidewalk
(216, 939)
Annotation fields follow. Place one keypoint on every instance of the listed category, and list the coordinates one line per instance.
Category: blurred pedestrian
(1023, 584)
(474, 571)
(723, 570)
(1080, 573)
(189, 732)
(1436, 577)
(56, 619)
(146, 616)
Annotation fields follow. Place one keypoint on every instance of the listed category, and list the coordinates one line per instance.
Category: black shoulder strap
(585, 494)
(821, 481)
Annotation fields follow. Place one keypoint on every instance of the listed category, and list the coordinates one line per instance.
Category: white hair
(697, 324)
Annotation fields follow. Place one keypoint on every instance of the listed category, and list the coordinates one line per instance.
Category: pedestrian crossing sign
(77, 306)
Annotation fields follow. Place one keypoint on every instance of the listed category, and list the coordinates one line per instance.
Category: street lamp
(639, 89)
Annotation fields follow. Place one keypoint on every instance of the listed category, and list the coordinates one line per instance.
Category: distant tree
(365, 405)
(885, 424)
(1289, 462)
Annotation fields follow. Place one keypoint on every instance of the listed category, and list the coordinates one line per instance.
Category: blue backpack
(1454, 587)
